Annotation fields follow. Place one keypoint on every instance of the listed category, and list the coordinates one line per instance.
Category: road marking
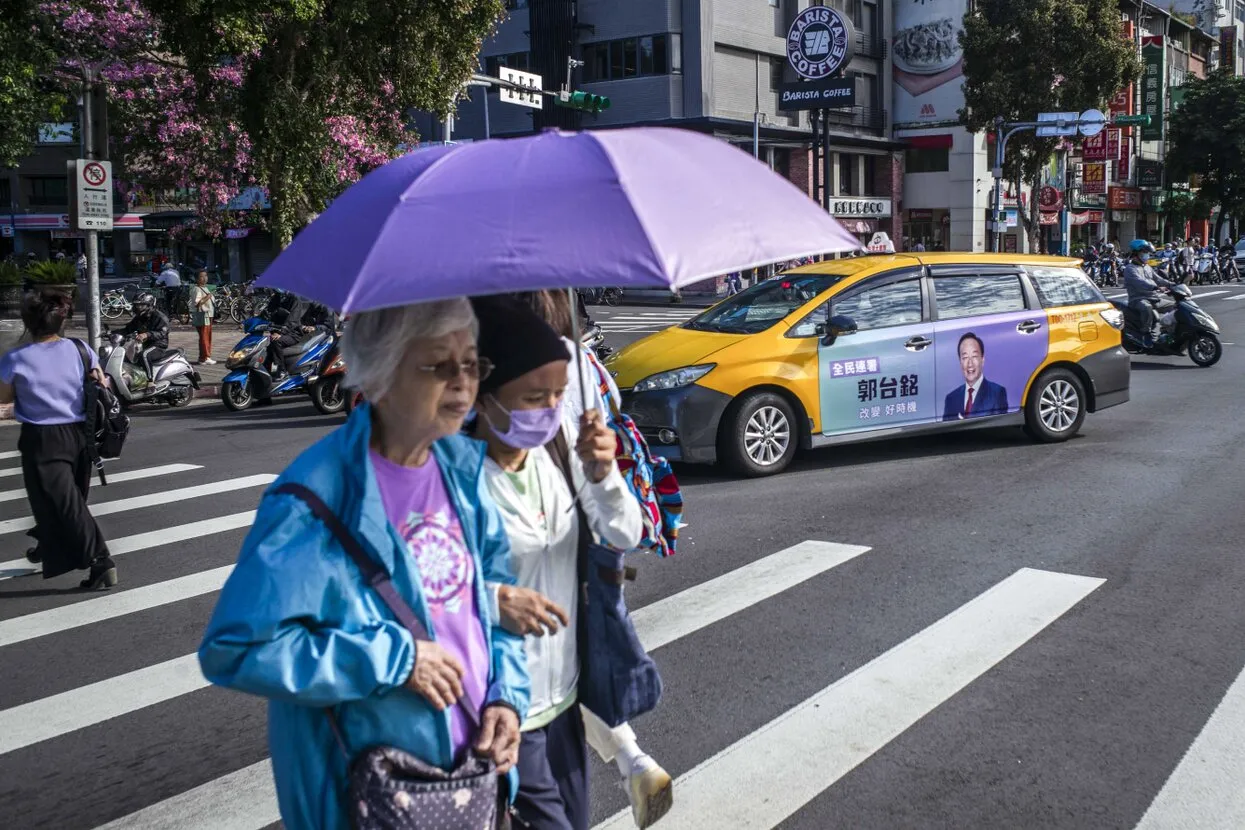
(150, 539)
(681, 614)
(1203, 295)
(55, 620)
(49, 717)
(117, 478)
(1205, 789)
(154, 499)
(12, 471)
(658, 624)
(10, 454)
(848, 721)
(1236, 297)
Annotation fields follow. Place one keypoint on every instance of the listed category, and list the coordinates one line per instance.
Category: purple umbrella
(634, 208)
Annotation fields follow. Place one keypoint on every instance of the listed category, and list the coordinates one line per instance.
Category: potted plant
(53, 274)
(10, 289)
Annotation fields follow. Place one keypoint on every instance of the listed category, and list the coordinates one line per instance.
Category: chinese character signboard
(1124, 162)
(1149, 173)
(1094, 148)
(90, 182)
(1227, 49)
(1113, 144)
(1121, 103)
(1094, 178)
(1153, 84)
(1124, 198)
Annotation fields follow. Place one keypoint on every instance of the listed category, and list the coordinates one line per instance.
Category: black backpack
(106, 425)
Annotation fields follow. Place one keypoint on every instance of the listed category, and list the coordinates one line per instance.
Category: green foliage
(27, 96)
(1206, 138)
(53, 272)
(10, 273)
(1023, 57)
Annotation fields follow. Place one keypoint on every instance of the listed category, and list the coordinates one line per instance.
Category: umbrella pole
(577, 336)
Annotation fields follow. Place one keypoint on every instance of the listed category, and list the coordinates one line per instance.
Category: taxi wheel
(760, 436)
(1056, 407)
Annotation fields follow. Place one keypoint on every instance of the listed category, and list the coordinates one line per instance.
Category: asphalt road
(991, 633)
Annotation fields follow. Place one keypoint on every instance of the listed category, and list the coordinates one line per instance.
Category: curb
(211, 390)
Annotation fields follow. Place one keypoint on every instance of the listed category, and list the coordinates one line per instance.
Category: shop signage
(1094, 178)
(6, 231)
(1153, 84)
(68, 234)
(237, 233)
(1227, 49)
(1049, 198)
(1113, 144)
(1149, 173)
(1121, 103)
(1047, 217)
(1087, 217)
(860, 207)
(819, 42)
(1124, 164)
(91, 187)
(1124, 198)
(1094, 148)
(920, 215)
(832, 92)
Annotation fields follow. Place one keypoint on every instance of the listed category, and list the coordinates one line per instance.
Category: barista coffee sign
(819, 42)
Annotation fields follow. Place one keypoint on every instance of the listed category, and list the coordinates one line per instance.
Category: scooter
(1206, 269)
(174, 382)
(328, 394)
(1227, 267)
(249, 381)
(1186, 327)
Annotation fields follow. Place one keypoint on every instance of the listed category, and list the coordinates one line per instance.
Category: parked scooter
(249, 380)
(174, 382)
(1186, 327)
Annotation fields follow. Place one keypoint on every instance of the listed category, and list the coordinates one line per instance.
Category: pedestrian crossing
(750, 783)
(645, 321)
(1200, 293)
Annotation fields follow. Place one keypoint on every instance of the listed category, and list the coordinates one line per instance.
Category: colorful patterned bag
(649, 476)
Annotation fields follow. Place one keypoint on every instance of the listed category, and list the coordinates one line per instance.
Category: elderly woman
(521, 418)
(297, 623)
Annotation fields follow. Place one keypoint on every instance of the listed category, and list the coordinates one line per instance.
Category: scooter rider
(1144, 288)
(150, 328)
(289, 330)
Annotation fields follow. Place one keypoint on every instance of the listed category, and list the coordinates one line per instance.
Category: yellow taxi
(874, 347)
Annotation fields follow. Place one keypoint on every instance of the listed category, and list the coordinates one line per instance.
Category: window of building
(847, 174)
(6, 192)
(775, 73)
(927, 159)
(869, 184)
(515, 60)
(47, 191)
(516, 4)
(631, 58)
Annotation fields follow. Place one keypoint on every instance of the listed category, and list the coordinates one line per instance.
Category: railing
(870, 118)
(870, 46)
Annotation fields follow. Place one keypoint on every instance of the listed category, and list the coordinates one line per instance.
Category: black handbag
(618, 681)
(391, 789)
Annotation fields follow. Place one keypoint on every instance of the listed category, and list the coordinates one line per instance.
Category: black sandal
(32, 555)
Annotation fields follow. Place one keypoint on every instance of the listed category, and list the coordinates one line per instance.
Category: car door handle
(1028, 327)
(916, 344)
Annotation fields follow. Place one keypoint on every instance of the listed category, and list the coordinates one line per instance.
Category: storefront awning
(60, 221)
(859, 225)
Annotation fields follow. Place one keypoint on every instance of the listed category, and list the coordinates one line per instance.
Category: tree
(28, 96)
(296, 97)
(1023, 57)
(1206, 138)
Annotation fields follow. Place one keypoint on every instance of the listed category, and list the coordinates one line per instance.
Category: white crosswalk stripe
(842, 725)
(119, 478)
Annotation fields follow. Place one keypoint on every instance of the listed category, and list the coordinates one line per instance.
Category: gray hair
(374, 342)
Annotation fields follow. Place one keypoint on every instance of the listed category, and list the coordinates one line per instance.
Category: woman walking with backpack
(45, 380)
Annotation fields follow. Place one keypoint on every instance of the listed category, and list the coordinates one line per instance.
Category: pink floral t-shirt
(419, 506)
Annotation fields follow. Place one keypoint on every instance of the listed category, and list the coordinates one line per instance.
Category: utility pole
(756, 112)
(92, 236)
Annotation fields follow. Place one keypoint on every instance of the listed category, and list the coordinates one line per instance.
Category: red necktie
(968, 406)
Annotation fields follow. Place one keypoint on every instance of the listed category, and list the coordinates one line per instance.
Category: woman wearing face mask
(521, 413)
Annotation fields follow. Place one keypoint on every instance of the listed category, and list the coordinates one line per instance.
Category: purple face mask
(529, 428)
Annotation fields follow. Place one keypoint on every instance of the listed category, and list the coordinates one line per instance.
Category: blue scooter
(249, 380)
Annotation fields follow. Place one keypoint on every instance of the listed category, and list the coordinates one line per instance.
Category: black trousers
(276, 361)
(57, 472)
(553, 775)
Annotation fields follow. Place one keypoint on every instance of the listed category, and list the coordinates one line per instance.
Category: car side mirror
(837, 326)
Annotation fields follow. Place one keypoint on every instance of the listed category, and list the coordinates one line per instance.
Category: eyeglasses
(448, 370)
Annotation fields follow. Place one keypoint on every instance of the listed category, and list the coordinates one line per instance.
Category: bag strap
(377, 578)
(90, 396)
(559, 451)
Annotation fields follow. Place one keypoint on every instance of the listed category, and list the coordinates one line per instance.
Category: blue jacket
(295, 623)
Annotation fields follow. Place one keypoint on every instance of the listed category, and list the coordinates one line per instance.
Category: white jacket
(544, 557)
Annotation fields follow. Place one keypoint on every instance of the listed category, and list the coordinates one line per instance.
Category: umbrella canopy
(634, 208)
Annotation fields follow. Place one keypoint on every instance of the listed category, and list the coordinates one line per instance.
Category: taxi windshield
(764, 304)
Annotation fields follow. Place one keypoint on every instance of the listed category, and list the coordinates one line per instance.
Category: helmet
(1110, 246)
(144, 302)
(1140, 246)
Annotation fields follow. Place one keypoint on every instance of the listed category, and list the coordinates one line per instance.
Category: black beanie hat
(514, 340)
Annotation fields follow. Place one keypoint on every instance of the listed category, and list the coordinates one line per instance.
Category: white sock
(631, 759)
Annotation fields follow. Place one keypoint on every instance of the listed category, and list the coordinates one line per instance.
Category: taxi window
(764, 304)
(893, 304)
(977, 294)
(1063, 286)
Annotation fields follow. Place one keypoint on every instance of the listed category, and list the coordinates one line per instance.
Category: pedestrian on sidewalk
(44, 381)
(521, 416)
(204, 309)
(298, 623)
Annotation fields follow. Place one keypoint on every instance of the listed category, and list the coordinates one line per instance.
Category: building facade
(712, 66)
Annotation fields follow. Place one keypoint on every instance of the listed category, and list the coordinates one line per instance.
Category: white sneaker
(651, 791)
(208, 362)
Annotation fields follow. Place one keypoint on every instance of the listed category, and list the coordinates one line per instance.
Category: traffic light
(583, 101)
